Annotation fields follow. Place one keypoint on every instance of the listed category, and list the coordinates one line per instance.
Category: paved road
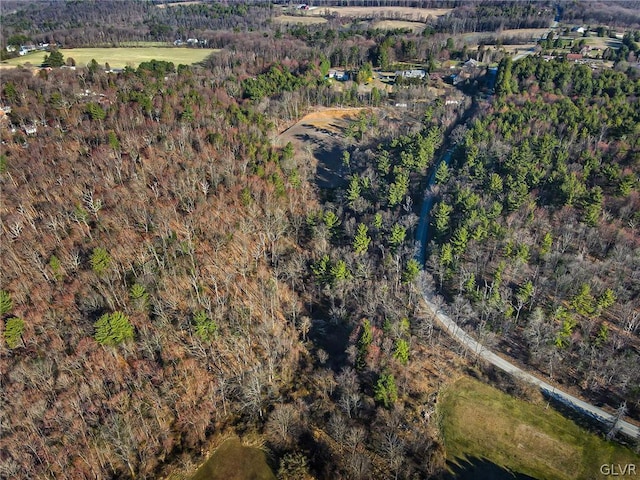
(465, 339)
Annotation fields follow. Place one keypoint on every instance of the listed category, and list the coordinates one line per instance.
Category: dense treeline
(535, 236)
(612, 13)
(74, 24)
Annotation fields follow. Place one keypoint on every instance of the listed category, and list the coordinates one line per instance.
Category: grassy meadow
(302, 20)
(232, 460)
(120, 57)
(393, 24)
(479, 421)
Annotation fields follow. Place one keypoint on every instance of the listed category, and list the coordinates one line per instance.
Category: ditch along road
(455, 331)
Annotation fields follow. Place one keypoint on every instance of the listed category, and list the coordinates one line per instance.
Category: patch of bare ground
(319, 135)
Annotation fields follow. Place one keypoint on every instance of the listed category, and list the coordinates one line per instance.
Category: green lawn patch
(120, 57)
(234, 461)
(480, 421)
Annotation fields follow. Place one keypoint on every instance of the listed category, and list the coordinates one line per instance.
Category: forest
(535, 239)
(172, 273)
(165, 269)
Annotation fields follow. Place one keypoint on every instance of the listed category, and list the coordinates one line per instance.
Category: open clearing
(321, 133)
(232, 460)
(407, 13)
(120, 57)
(303, 20)
(531, 34)
(602, 42)
(177, 4)
(394, 24)
(534, 33)
(481, 423)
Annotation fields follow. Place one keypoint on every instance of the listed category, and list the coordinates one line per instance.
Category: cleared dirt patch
(320, 133)
(303, 20)
(394, 24)
(405, 13)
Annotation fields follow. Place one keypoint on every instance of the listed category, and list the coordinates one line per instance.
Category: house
(339, 75)
(471, 63)
(460, 77)
(579, 30)
(30, 130)
(24, 49)
(411, 73)
(572, 57)
(192, 41)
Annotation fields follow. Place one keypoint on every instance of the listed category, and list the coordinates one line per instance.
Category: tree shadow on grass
(474, 468)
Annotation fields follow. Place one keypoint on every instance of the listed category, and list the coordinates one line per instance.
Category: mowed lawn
(120, 57)
(479, 421)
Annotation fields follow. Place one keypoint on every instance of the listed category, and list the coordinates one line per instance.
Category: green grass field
(234, 461)
(120, 57)
(479, 421)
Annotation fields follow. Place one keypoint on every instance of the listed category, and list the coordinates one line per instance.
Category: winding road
(478, 349)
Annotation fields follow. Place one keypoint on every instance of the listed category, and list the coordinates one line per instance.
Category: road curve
(478, 349)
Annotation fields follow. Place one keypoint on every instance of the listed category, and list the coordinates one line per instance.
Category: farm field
(303, 20)
(532, 34)
(481, 422)
(407, 13)
(394, 24)
(120, 57)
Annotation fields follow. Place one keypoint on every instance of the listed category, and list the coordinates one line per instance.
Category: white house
(411, 73)
(339, 75)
